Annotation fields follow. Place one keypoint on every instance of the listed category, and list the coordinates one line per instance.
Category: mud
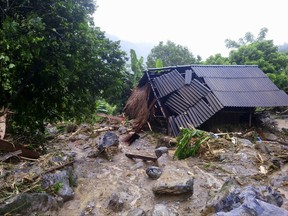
(99, 178)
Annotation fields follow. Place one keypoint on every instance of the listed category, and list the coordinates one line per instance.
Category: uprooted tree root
(137, 107)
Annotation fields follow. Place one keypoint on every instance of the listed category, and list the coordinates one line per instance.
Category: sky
(202, 26)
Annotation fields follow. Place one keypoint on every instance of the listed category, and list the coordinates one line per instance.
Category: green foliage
(247, 39)
(136, 67)
(189, 142)
(263, 53)
(280, 79)
(54, 63)
(57, 187)
(104, 107)
(159, 63)
(171, 54)
(217, 59)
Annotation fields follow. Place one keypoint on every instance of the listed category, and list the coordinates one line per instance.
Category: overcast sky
(200, 25)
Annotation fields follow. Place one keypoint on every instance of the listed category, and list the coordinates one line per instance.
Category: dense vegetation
(249, 50)
(54, 63)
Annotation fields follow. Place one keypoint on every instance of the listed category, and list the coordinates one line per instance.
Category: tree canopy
(54, 63)
(263, 53)
(171, 54)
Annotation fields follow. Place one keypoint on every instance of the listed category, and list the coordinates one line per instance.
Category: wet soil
(219, 161)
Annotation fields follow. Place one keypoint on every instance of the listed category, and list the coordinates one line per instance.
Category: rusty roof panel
(241, 84)
(253, 99)
(228, 71)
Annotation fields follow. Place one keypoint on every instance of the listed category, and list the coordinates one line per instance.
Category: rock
(163, 210)
(82, 137)
(109, 139)
(60, 183)
(227, 188)
(25, 204)
(255, 207)
(251, 201)
(153, 172)
(88, 209)
(122, 130)
(174, 182)
(93, 154)
(270, 136)
(160, 210)
(161, 150)
(137, 212)
(245, 142)
(116, 204)
(163, 160)
(167, 141)
(138, 165)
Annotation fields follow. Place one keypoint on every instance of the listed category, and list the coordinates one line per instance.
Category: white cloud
(202, 26)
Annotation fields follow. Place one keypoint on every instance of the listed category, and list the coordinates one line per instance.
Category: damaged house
(201, 96)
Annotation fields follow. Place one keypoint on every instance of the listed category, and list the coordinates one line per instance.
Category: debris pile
(92, 170)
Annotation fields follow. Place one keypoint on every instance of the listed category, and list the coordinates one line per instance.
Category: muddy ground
(222, 165)
(242, 163)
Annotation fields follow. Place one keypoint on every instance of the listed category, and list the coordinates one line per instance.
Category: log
(143, 157)
(9, 155)
(10, 147)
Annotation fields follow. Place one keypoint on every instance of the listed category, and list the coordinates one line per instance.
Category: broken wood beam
(10, 154)
(143, 157)
(10, 147)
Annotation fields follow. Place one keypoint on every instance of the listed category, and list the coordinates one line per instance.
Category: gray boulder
(153, 172)
(251, 201)
(174, 182)
(26, 203)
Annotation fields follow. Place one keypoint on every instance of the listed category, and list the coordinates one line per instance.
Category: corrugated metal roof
(228, 71)
(241, 84)
(200, 91)
(253, 99)
(167, 83)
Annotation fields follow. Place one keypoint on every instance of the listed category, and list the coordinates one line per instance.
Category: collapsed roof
(190, 95)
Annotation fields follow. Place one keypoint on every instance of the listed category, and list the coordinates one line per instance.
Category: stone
(88, 211)
(116, 204)
(136, 212)
(109, 139)
(109, 145)
(245, 142)
(174, 182)
(61, 182)
(153, 172)
(251, 201)
(27, 203)
(163, 210)
(122, 130)
(138, 165)
(160, 151)
(270, 136)
(160, 210)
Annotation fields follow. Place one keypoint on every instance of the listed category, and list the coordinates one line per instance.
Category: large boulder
(26, 203)
(174, 182)
(251, 201)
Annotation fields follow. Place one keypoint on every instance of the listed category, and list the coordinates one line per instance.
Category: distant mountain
(283, 48)
(141, 49)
